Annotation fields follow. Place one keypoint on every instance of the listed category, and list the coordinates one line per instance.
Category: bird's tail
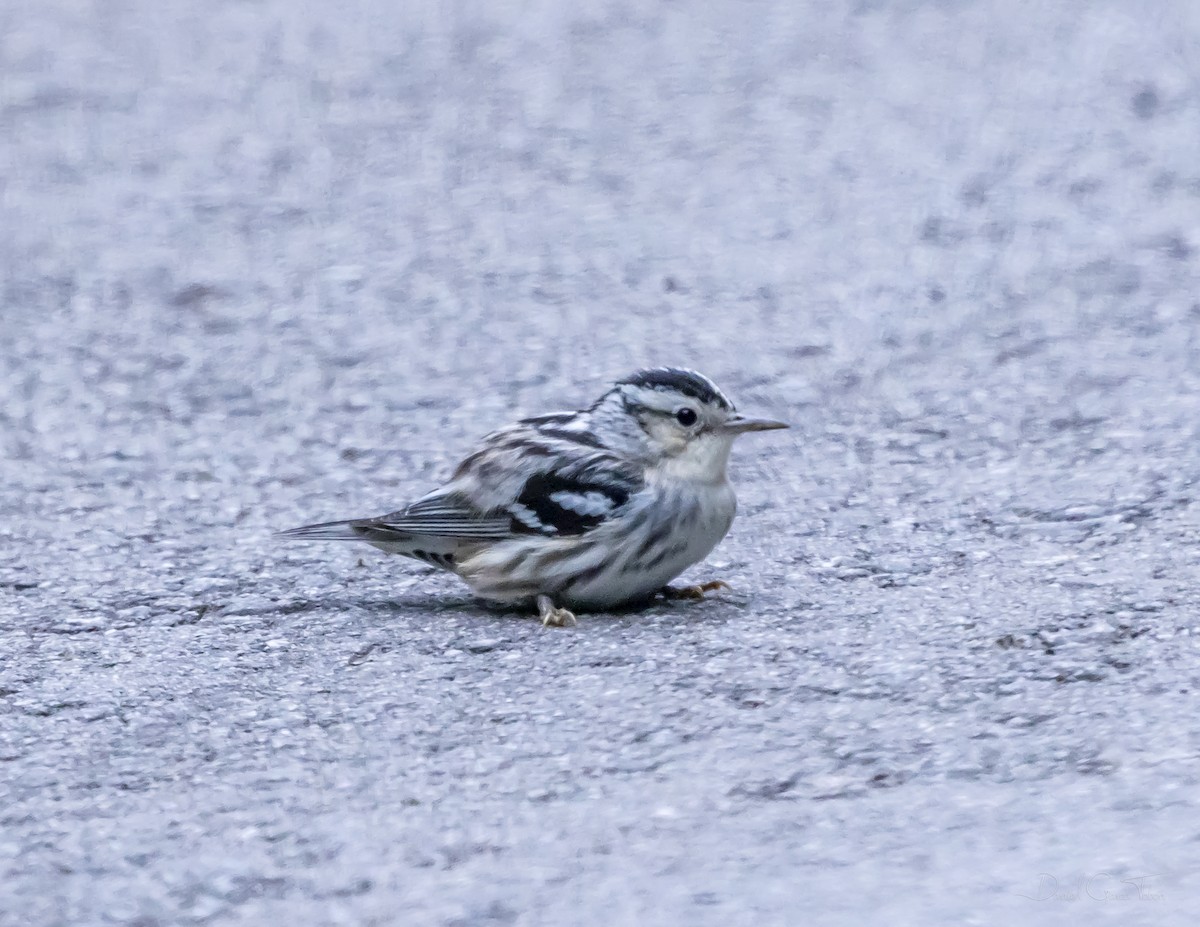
(327, 531)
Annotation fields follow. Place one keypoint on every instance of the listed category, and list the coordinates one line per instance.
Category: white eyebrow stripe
(656, 400)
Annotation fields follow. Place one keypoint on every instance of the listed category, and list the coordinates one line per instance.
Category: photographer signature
(1103, 886)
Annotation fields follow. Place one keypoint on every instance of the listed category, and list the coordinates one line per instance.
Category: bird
(584, 510)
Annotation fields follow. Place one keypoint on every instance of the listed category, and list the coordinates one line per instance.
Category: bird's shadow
(461, 610)
(430, 603)
(470, 607)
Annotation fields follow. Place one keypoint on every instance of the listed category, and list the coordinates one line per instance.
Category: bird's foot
(695, 593)
(552, 616)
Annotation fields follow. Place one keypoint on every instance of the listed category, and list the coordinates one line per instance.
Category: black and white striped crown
(688, 382)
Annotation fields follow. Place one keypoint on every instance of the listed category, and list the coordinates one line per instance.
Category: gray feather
(328, 531)
(439, 515)
(548, 475)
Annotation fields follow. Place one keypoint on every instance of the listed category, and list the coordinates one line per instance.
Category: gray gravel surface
(271, 262)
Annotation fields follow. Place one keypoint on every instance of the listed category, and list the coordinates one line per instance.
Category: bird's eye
(686, 417)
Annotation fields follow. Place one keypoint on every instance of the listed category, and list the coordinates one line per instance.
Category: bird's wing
(566, 503)
(562, 501)
(532, 479)
(548, 477)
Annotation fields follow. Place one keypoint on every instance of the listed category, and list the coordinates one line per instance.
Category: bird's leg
(552, 616)
(693, 592)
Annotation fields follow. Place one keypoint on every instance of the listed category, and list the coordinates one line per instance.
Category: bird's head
(683, 422)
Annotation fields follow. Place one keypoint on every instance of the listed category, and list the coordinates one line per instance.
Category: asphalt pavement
(265, 263)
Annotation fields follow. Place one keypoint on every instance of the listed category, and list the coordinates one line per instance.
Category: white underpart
(713, 509)
(583, 503)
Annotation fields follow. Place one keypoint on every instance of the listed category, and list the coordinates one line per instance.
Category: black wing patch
(553, 504)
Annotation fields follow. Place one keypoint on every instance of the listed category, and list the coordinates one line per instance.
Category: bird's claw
(694, 593)
(552, 616)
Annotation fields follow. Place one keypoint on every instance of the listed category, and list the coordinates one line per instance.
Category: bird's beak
(740, 424)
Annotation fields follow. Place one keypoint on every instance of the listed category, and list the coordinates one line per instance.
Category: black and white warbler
(587, 509)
